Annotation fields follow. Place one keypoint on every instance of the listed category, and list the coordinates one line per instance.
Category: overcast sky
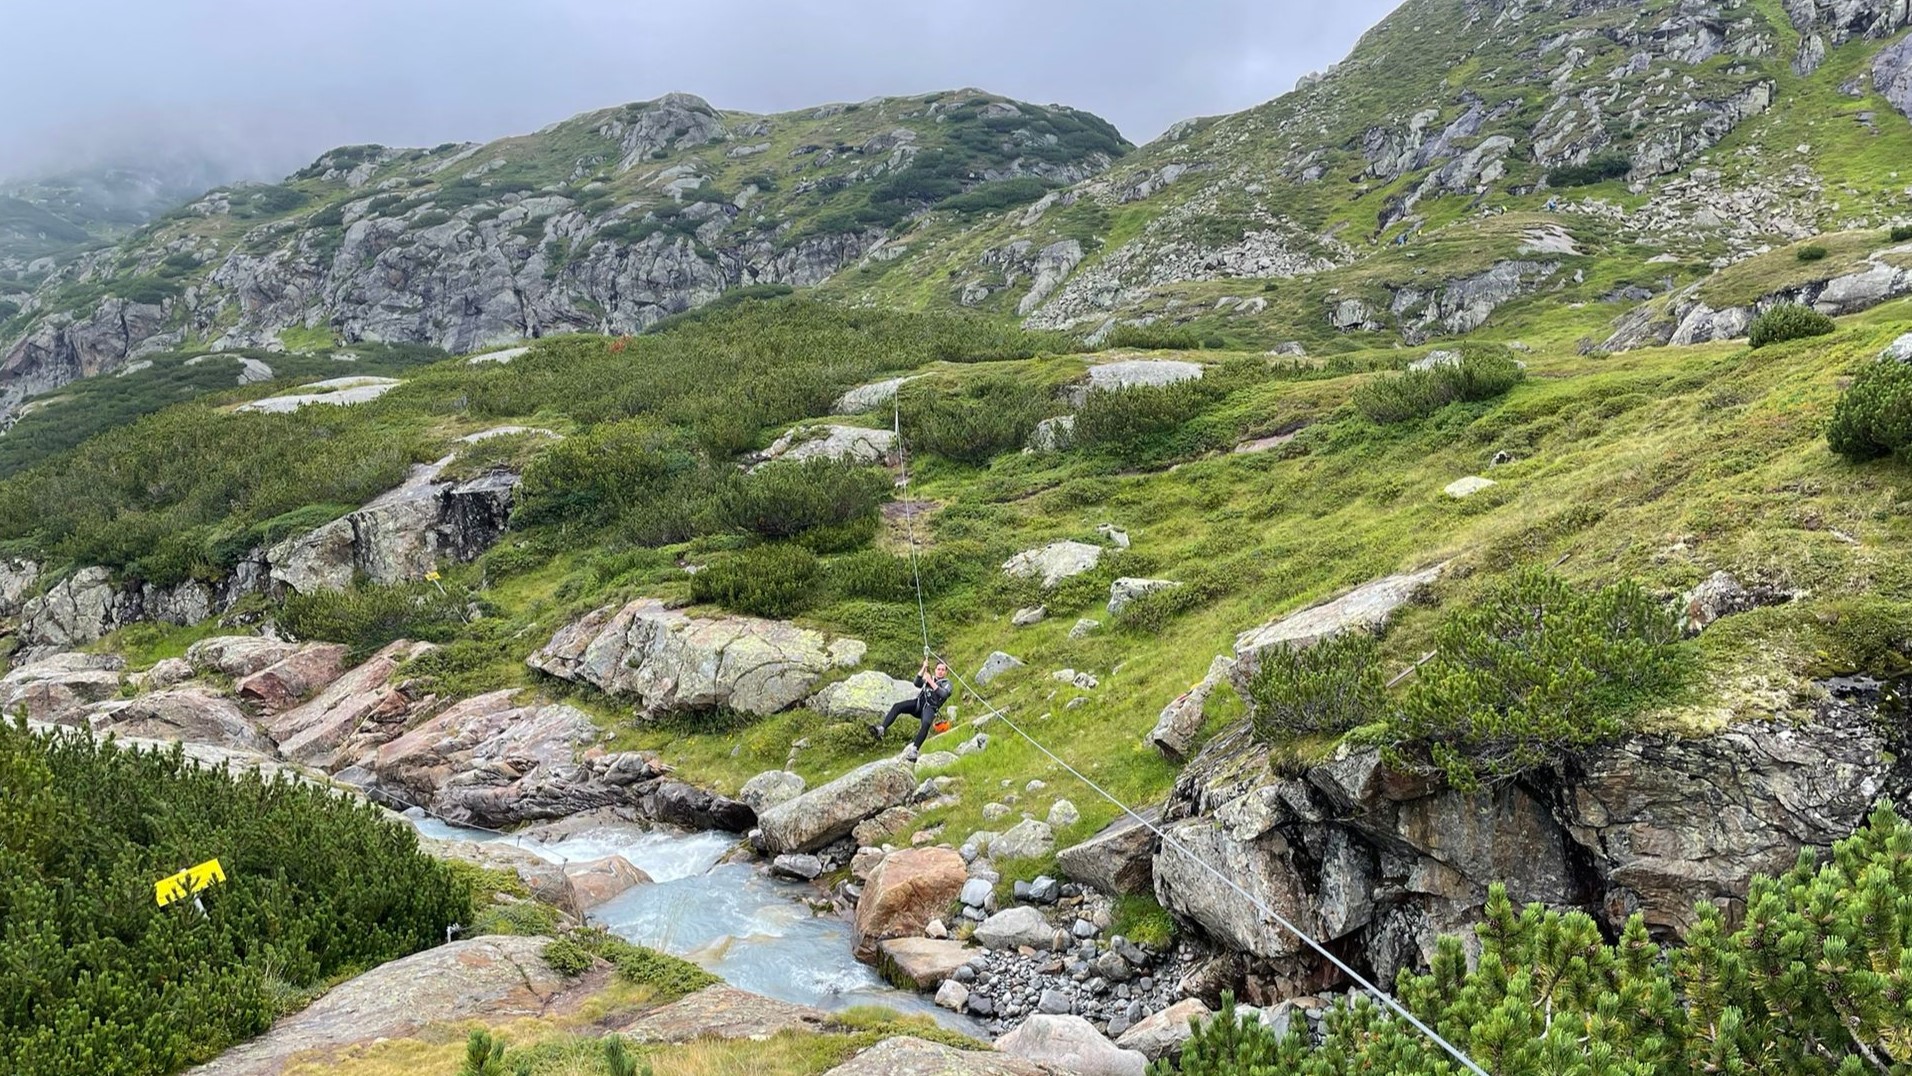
(267, 84)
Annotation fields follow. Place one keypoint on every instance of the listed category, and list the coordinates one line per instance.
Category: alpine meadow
(1412, 577)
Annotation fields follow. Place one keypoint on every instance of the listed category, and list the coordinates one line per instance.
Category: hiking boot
(876, 732)
(909, 753)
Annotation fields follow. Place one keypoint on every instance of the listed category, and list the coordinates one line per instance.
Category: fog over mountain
(253, 91)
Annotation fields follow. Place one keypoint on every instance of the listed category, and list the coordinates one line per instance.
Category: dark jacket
(933, 695)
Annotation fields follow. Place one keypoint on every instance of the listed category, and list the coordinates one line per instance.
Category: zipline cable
(1272, 916)
(909, 515)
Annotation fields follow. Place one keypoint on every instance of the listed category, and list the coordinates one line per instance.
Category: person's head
(942, 671)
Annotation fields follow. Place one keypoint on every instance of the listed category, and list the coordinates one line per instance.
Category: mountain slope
(607, 222)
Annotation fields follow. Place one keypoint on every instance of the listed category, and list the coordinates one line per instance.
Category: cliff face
(1378, 864)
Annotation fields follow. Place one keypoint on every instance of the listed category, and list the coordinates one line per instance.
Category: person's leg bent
(907, 706)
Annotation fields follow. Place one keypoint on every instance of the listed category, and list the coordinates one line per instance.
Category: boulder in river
(830, 812)
(906, 890)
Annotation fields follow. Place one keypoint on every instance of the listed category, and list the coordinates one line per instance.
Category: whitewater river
(731, 919)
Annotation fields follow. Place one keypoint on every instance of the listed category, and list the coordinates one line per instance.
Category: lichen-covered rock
(1180, 722)
(852, 444)
(670, 662)
(864, 696)
(722, 1011)
(1365, 608)
(869, 397)
(73, 612)
(1054, 562)
(1027, 839)
(995, 665)
(17, 580)
(770, 788)
(497, 977)
(1124, 591)
(1144, 373)
(830, 811)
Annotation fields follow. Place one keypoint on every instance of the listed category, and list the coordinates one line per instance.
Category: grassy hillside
(1658, 466)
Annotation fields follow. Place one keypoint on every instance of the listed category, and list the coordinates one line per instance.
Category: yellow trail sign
(187, 882)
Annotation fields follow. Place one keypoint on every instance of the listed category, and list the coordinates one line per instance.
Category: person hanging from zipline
(933, 690)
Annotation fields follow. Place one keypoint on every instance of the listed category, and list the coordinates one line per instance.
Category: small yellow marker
(432, 576)
(188, 882)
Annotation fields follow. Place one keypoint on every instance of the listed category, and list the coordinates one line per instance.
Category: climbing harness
(1270, 915)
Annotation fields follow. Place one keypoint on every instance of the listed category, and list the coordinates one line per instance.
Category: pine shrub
(1479, 374)
(101, 980)
(1873, 418)
(783, 500)
(1788, 321)
(975, 422)
(1813, 253)
(366, 616)
(768, 580)
(1901, 233)
(1811, 983)
(1534, 668)
(1331, 686)
(1144, 423)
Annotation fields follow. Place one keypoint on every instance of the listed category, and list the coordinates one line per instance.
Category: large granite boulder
(865, 696)
(853, 444)
(669, 661)
(924, 962)
(1118, 860)
(722, 1011)
(1162, 1034)
(1141, 373)
(73, 612)
(495, 978)
(869, 397)
(1054, 562)
(362, 709)
(1070, 1044)
(1124, 592)
(909, 1056)
(401, 535)
(906, 890)
(770, 788)
(1015, 928)
(829, 812)
(1365, 608)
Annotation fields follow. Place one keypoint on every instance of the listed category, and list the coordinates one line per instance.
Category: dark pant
(913, 707)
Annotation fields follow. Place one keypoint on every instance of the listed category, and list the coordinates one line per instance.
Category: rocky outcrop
(17, 580)
(1463, 304)
(401, 535)
(1379, 863)
(347, 721)
(1124, 592)
(58, 689)
(830, 811)
(670, 662)
(491, 978)
(1365, 608)
(1180, 722)
(493, 762)
(1141, 373)
(85, 606)
(191, 715)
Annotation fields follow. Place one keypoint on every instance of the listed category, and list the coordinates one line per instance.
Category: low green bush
(974, 422)
(1901, 233)
(768, 580)
(366, 616)
(1812, 253)
(1533, 668)
(783, 500)
(1480, 373)
(566, 957)
(1788, 321)
(1873, 418)
(1598, 169)
(1332, 686)
(100, 979)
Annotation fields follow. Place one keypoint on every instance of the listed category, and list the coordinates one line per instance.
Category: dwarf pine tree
(1817, 981)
